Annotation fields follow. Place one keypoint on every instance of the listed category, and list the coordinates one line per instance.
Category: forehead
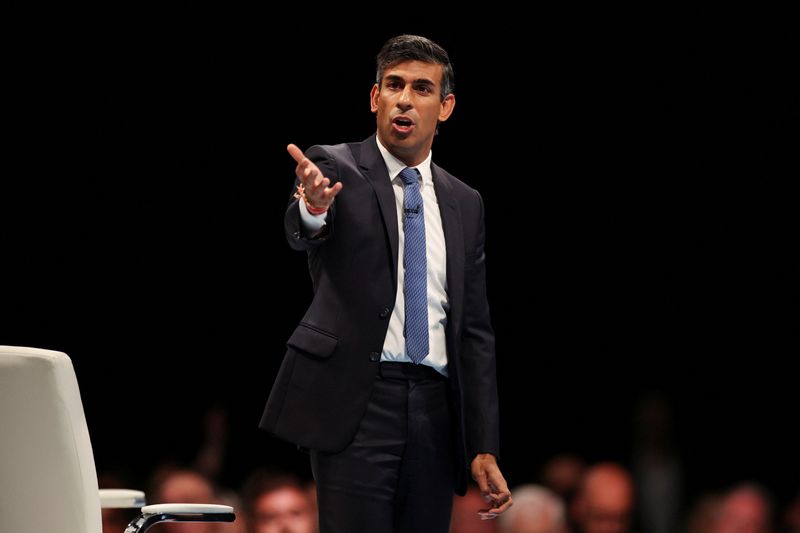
(281, 498)
(415, 70)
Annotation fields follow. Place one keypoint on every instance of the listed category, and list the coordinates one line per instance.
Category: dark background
(635, 166)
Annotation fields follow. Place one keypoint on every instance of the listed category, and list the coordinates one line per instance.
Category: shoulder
(337, 160)
(457, 187)
(344, 152)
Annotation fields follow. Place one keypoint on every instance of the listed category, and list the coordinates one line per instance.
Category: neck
(411, 157)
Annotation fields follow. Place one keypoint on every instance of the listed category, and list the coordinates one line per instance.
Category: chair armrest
(186, 508)
(180, 512)
(121, 498)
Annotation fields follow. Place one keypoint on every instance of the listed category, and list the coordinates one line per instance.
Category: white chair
(48, 481)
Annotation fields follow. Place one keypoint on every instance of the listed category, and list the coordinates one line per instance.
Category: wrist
(314, 210)
(311, 208)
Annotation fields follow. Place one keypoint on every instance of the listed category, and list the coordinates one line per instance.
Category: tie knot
(409, 175)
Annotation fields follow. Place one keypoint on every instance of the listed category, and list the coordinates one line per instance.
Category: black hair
(414, 47)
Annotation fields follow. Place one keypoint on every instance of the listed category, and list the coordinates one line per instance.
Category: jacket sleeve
(291, 221)
(481, 410)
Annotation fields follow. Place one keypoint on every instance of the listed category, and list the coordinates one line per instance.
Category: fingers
(496, 510)
(307, 172)
(482, 481)
(500, 501)
(494, 488)
(331, 192)
(316, 186)
(499, 493)
(296, 153)
(320, 186)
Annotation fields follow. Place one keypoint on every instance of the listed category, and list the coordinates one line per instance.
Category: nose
(404, 102)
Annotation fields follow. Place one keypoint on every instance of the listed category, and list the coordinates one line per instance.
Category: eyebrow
(418, 81)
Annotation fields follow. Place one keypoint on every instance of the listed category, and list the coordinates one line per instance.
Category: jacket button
(384, 312)
(296, 234)
(374, 357)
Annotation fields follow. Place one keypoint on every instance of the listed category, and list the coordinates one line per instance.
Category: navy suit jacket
(322, 388)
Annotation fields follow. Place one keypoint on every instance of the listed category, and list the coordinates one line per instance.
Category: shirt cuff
(312, 224)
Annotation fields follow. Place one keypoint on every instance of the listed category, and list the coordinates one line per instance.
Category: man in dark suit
(389, 379)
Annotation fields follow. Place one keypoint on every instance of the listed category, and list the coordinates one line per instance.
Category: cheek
(432, 114)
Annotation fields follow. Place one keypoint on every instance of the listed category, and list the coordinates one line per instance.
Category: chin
(407, 141)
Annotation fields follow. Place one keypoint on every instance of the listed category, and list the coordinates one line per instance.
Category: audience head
(277, 503)
(604, 501)
(536, 509)
(745, 509)
(182, 486)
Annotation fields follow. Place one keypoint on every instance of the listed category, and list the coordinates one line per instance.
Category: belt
(410, 371)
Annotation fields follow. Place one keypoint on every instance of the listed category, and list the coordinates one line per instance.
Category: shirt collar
(394, 165)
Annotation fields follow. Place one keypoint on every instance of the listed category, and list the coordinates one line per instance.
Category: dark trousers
(397, 474)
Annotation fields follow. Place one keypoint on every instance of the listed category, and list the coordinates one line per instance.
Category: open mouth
(402, 125)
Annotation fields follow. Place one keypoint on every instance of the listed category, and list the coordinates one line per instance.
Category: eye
(393, 84)
(425, 89)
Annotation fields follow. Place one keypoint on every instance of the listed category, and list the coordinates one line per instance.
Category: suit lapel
(373, 167)
(454, 241)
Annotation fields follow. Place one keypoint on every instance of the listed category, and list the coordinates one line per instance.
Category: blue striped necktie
(415, 264)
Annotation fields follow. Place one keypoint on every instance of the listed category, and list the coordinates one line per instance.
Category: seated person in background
(175, 485)
(604, 501)
(277, 503)
(745, 509)
(536, 510)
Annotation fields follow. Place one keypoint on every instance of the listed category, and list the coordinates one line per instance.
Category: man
(389, 380)
(604, 501)
(745, 509)
(537, 509)
(277, 503)
(185, 486)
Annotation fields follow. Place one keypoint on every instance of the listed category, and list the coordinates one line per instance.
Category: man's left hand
(492, 484)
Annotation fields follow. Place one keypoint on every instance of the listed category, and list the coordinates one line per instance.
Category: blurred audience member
(604, 501)
(656, 466)
(536, 510)
(561, 474)
(703, 514)
(465, 517)
(277, 503)
(182, 486)
(745, 509)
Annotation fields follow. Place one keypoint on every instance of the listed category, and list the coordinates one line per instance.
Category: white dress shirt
(394, 346)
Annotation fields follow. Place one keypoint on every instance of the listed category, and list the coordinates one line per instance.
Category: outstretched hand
(319, 194)
(492, 484)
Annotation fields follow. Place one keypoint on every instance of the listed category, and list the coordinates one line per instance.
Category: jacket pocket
(312, 341)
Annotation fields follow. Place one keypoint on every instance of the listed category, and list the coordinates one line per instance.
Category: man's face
(408, 105)
(286, 510)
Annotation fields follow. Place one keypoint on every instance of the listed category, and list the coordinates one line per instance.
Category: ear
(373, 98)
(448, 104)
